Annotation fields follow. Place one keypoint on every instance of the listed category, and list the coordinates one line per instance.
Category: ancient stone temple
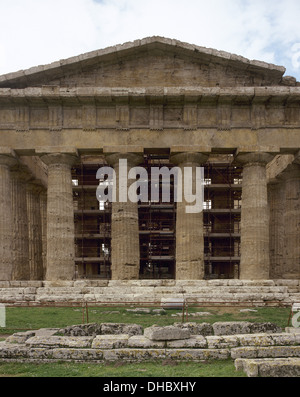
(151, 102)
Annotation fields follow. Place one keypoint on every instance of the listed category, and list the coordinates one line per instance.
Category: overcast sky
(37, 32)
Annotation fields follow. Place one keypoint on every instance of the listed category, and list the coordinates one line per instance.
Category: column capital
(21, 173)
(292, 171)
(8, 160)
(35, 186)
(274, 182)
(260, 158)
(188, 157)
(59, 158)
(133, 159)
(297, 158)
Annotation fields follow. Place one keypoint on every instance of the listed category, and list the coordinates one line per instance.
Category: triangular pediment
(153, 61)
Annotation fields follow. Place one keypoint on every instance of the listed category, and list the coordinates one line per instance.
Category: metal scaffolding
(157, 223)
(92, 224)
(222, 216)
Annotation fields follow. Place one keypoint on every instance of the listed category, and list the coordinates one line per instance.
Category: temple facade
(152, 102)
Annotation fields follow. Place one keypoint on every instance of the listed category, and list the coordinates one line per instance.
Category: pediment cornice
(39, 75)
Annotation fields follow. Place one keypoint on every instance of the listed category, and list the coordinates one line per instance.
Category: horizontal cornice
(155, 94)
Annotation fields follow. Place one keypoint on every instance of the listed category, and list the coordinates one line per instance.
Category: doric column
(20, 244)
(35, 230)
(43, 210)
(189, 226)
(6, 225)
(291, 252)
(255, 255)
(125, 245)
(60, 217)
(276, 199)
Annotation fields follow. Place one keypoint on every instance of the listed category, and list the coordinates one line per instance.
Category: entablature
(56, 108)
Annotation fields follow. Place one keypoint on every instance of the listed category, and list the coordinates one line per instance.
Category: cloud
(36, 32)
(296, 56)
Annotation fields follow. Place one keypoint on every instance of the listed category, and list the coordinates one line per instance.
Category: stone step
(171, 337)
(159, 290)
(178, 342)
(151, 283)
(277, 367)
(265, 352)
(139, 291)
(114, 348)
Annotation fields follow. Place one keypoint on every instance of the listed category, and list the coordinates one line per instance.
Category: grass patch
(137, 370)
(26, 318)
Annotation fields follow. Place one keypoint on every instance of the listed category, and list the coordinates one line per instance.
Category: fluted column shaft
(60, 217)
(125, 245)
(255, 233)
(43, 210)
(6, 218)
(189, 226)
(20, 243)
(276, 199)
(35, 231)
(292, 222)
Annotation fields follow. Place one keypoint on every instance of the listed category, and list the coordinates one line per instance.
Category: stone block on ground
(194, 342)
(232, 328)
(271, 368)
(203, 329)
(63, 354)
(140, 341)
(115, 329)
(166, 333)
(265, 352)
(91, 329)
(256, 328)
(94, 329)
(110, 341)
(134, 355)
(197, 354)
(60, 341)
(221, 342)
(291, 330)
(20, 337)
